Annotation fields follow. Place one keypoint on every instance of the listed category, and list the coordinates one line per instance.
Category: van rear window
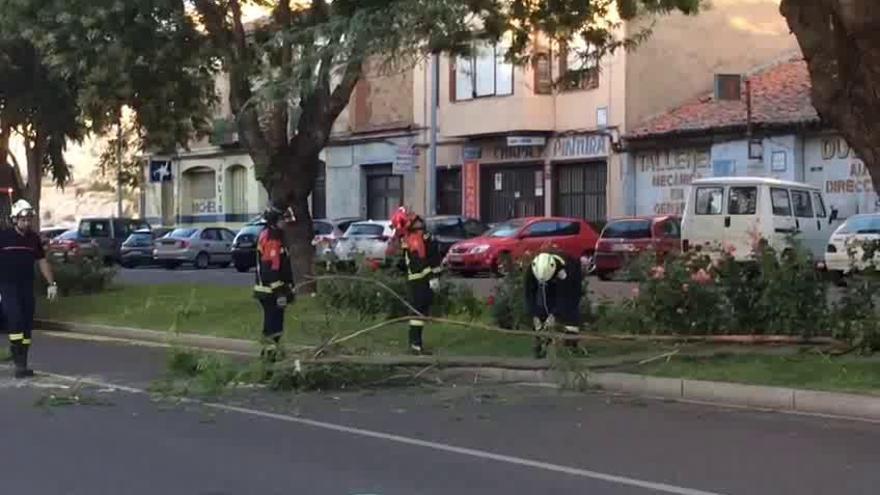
(709, 200)
(628, 229)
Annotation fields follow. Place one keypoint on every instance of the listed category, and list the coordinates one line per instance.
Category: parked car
(449, 229)
(71, 245)
(138, 249)
(46, 235)
(624, 239)
(369, 239)
(109, 234)
(202, 247)
(511, 240)
(327, 233)
(734, 211)
(244, 246)
(843, 253)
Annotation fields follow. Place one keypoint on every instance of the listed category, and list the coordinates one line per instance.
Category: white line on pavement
(481, 454)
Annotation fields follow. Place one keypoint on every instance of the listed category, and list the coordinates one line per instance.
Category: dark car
(625, 239)
(137, 250)
(449, 229)
(109, 234)
(46, 235)
(244, 246)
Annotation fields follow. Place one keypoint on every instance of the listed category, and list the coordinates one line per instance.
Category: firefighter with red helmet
(422, 260)
(274, 279)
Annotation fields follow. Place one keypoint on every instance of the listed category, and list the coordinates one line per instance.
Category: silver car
(202, 247)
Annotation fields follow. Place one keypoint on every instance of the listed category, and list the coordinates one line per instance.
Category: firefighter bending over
(553, 294)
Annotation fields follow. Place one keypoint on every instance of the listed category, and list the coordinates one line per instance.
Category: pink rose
(701, 277)
(658, 272)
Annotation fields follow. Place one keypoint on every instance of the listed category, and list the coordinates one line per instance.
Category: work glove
(281, 301)
(434, 284)
(52, 292)
(550, 322)
(537, 324)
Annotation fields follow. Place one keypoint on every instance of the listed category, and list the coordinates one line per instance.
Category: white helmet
(545, 267)
(22, 208)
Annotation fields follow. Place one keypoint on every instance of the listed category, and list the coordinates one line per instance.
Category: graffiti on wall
(663, 176)
(834, 166)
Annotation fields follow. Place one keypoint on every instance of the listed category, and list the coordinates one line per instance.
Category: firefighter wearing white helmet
(20, 249)
(553, 294)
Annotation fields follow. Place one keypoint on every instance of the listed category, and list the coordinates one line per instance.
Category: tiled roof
(780, 96)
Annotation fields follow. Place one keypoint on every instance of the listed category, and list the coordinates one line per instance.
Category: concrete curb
(536, 372)
(155, 336)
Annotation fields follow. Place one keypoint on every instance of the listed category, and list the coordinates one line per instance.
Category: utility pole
(431, 173)
(119, 165)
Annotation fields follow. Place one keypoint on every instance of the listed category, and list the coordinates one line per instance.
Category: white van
(735, 211)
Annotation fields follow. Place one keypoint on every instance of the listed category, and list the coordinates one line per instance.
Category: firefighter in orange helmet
(423, 269)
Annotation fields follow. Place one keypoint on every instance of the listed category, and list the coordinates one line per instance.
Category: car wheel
(127, 265)
(503, 264)
(605, 276)
(242, 268)
(588, 262)
(224, 264)
(171, 265)
(202, 261)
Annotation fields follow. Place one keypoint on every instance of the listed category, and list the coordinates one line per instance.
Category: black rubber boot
(20, 359)
(415, 341)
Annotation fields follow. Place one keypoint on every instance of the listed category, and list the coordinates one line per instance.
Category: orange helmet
(400, 221)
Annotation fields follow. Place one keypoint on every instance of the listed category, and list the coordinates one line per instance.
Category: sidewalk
(540, 372)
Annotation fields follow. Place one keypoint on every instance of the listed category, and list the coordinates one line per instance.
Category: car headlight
(482, 248)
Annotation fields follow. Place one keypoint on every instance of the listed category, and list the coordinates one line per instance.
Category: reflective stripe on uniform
(572, 329)
(26, 341)
(420, 275)
(15, 337)
(263, 289)
(268, 288)
(438, 270)
(416, 323)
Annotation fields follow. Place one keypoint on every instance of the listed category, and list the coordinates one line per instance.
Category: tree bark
(841, 45)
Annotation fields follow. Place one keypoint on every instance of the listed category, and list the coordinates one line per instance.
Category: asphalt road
(465, 439)
(482, 286)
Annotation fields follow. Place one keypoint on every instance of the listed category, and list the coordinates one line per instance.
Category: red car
(513, 239)
(626, 238)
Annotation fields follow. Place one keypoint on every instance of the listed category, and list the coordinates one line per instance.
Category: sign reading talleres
(663, 176)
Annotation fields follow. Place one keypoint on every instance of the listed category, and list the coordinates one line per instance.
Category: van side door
(806, 222)
(741, 219)
(784, 225)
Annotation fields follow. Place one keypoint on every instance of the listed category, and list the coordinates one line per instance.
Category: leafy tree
(292, 72)
(840, 42)
(69, 67)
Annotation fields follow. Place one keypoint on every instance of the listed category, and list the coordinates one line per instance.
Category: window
(506, 229)
(709, 200)
(628, 229)
(742, 201)
(323, 228)
(542, 229)
(820, 205)
(182, 233)
(568, 228)
(473, 228)
(227, 235)
(484, 73)
(98, 229)
(803, 205)
(210, 235)
(579, 65)
(448, 227)
(365, 229)
(862, 224)
(671, 229)
(781, 202)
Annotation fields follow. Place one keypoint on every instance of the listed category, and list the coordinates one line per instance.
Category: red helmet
(400, 220)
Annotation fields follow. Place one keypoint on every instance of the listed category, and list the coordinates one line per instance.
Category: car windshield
(445, 227)
(628, 229)
(70, 235)
(861, 225)
(506, 229)
(251, 230)
(365, 229)
(182, 233)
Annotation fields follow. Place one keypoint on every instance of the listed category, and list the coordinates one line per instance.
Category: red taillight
(183, 244)
(685, 245)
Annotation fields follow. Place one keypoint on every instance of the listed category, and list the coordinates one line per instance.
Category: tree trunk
(840, 44)
(289, 185)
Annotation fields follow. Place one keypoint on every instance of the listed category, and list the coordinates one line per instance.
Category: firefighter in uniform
(423, 269)
(274, 280)
(553, 294)
(20, 249)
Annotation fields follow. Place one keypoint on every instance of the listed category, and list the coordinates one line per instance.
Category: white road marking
(442, 447)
